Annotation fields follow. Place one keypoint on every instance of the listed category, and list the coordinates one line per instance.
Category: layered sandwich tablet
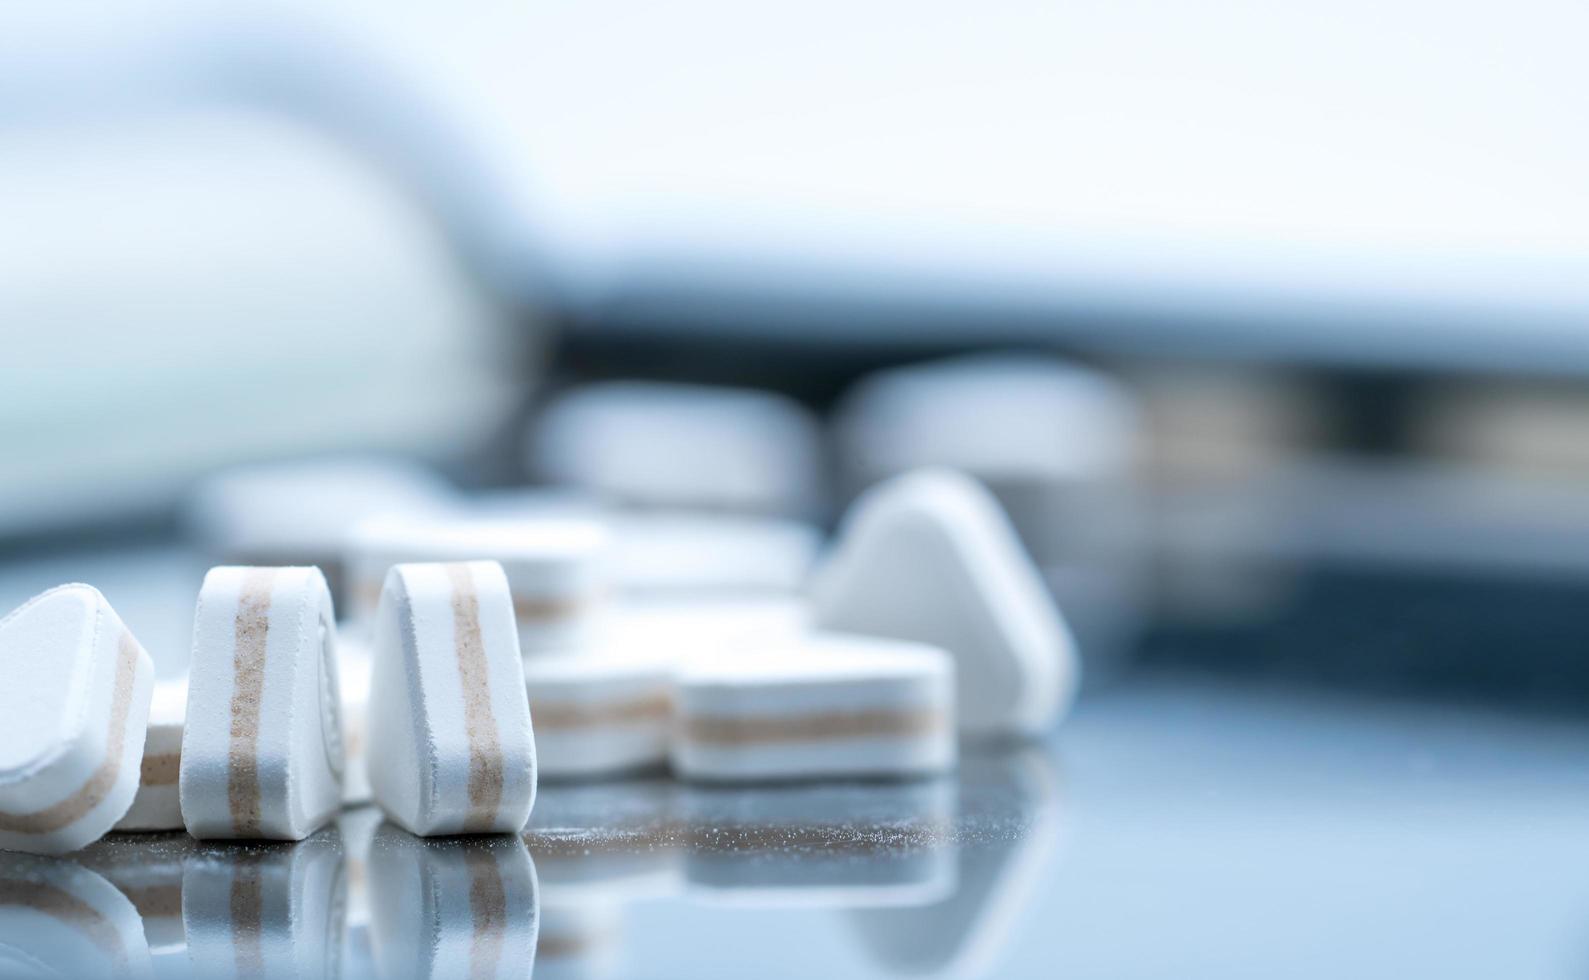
(158, 805)
(599, 713)
(447, 703)
(73, 710)
(262, 746)
(830, 705)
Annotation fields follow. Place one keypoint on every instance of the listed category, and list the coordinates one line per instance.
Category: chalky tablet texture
(158, 805)
(447, 704)
(262, 746)
(73, 708)
(599, 713)
(930, 557)
(831, 705)
(556, 566)
(453, 908)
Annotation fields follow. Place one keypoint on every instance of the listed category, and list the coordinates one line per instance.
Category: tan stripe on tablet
(485, 750)
(530, 609)
(94, 791)
(488, 909)
(161, 770)
(248, 691)
(556, 715)
(813, 727)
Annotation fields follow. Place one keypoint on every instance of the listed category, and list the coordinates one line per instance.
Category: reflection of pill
(73, 708)
(447, 704)
(59, 919)
(266, 909)
(158, 805)
(556, 566)
(825, 844)
(579, 940)
(262, 747)
(598, 713)
(149, 872)
(831, 705)
(448, 908)
(930, 557)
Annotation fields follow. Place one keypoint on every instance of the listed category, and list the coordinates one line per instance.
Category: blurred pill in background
(649, 444)
(1220, 445)
(299, 512)
(557, 564)
(1059, 444)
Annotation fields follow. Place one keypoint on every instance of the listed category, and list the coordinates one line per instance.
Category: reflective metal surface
(1174, 829)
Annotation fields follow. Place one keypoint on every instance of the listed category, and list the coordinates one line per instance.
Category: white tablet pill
(266, 909)
(930, 557)
(158, 805)
(262, 747)
(450, 908)
(59, 919)
(73, 710)
(690, 446)
(354, 666)
(684, 554)
(299, 512)
(556, 567)
(833, 705)
(599, 713)
(447, 703)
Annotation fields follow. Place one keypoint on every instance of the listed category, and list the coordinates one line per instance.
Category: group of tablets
(480, 657)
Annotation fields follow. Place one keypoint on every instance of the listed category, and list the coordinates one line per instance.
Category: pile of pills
(487, 651)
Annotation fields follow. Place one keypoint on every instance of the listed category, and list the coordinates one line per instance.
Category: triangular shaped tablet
(262, 744)
(73, 706)
(449, 723)
(930, 557)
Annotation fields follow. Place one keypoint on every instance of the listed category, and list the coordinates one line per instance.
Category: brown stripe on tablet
(488, 908)
(64, 907)
(485, 750)
(813, 727)
(98, 786)
(160, 770)
(555, 715)
(532, 609)
(248, 692)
